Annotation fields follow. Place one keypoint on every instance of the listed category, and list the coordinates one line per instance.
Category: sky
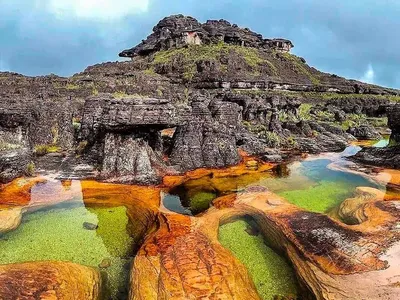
(358, 39)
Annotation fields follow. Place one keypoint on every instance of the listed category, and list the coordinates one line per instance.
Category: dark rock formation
(388, 156)
(178, 31)
(364, 132)
(208, 139)
(14, 163)
(123, 135)
(217, 89)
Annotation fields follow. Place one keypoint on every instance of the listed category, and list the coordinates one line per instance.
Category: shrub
(71, 86)
(119, 94)
(304, 111)
(41, 150)
(8, 146)
(272, 139)
(30, 169)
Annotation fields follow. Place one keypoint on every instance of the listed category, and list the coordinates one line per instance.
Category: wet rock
(388, 156)
(105, 263)
(49, 280)
(90, 226)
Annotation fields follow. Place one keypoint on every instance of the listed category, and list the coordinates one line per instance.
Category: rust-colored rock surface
(179, 261)
(49, 281)
(184, 260)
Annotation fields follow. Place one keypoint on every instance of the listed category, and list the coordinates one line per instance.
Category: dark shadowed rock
(388, 156)
(365, 132)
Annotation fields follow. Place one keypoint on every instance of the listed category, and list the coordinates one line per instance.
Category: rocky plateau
(200, 99)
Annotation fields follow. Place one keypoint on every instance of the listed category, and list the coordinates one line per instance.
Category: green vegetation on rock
(45, 149)
(301, 67)
(8, 146)
(271, 274)
(58, 234)
(189, 56)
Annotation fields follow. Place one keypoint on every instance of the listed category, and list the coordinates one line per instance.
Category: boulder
(364, 132)
(13, 164)
(10, 219)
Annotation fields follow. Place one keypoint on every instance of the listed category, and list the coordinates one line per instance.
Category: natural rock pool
(91, 236)
(102, 225)
(309, 183)
(273, 276)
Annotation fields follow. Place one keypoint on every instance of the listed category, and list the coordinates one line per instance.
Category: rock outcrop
(219, 88)
(49, 280)
(179, 31)
(388, 156)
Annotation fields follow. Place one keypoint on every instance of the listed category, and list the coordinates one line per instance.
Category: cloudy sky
(357, 39)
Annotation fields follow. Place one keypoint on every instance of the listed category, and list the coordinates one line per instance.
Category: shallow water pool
(93, 236)
(271, 273)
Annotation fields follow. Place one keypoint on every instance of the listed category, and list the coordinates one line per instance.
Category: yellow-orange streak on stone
(49, 280)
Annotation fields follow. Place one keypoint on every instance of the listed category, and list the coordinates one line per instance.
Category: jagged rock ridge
(179, 31)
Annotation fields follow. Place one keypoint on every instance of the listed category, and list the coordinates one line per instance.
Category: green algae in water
(270, 272)
(58, 234)
(330, 187)
(320, 198)
(201, 201)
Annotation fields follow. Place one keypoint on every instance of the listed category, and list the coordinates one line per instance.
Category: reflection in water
(271, 274)
(58, 233)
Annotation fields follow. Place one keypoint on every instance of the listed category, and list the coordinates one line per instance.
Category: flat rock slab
(49, 280)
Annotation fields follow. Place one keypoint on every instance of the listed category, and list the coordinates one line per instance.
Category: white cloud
(369, 75)
(96, 9)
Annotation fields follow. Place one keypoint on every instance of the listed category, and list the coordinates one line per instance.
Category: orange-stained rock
(332, 259)
(248, 174)
(49, 280)
(180, 262)
(18, 192)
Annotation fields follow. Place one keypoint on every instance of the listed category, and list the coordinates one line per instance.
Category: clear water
(58, 233)
(271, 274)
(309, 184)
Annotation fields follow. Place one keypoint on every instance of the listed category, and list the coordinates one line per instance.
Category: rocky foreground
(199, 96)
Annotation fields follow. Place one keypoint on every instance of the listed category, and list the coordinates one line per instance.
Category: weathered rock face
(394, 123)
(49, 280)
(178, 31)
(130, 159)
(365, 133)
(124, 135)
(208, 139)
(14, 163)
(390, 155)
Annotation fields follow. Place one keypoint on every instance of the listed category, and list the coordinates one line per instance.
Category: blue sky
(357, 39)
